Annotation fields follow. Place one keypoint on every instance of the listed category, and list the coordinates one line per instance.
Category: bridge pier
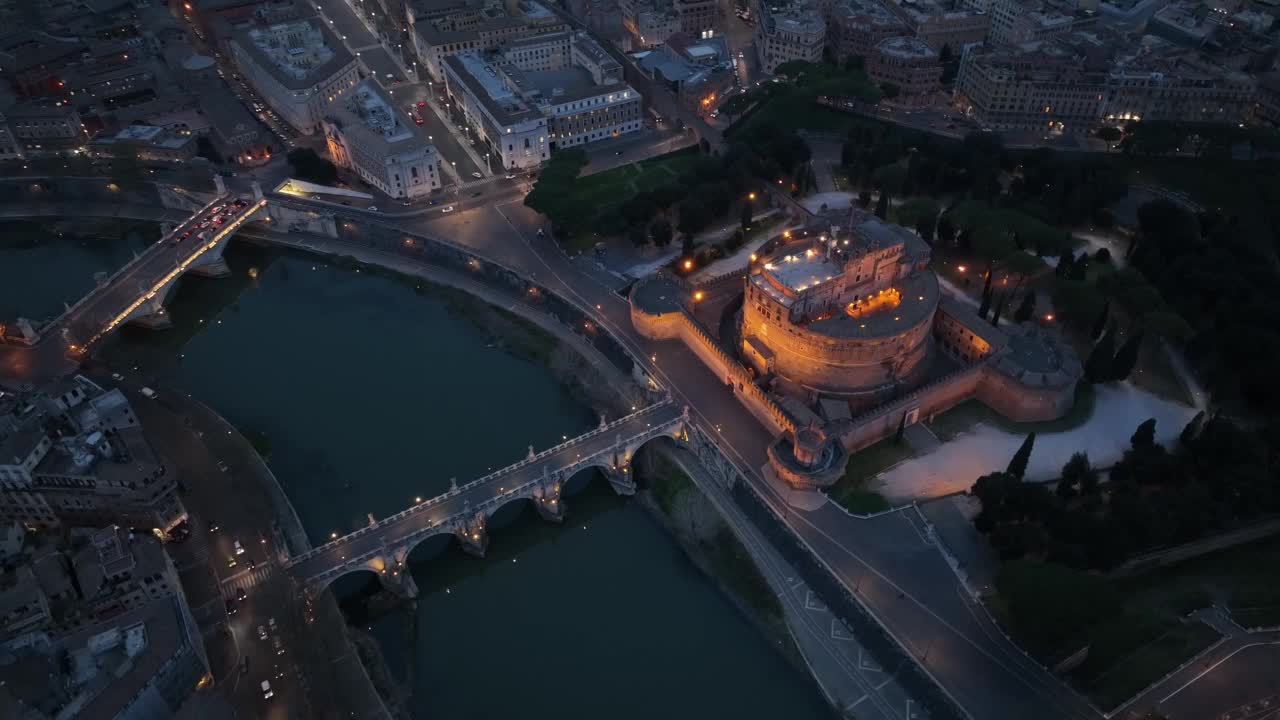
(473, 535)
(152, 314)
(546, 498)
(622, 480)
(399, 582)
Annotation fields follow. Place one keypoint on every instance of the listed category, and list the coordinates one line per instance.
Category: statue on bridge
(453, 485)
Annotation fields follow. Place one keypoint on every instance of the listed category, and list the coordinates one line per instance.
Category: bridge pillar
(473, 535)
(546, 497)
(393, 574)
(212, 264)
(619, 473)
(152, 313)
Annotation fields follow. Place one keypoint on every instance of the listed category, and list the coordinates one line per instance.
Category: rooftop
(298, 54)
(803, 268)
(906, 47)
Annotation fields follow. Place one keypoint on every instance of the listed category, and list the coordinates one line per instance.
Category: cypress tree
(995, 317)
(1028, 306)
(1126, 357)
(1018, 463)
(1100, 323)
(1097, 368)
(986, 303)
(1080, 269)
(1065, 262)
(1192, 430)
(882, 205)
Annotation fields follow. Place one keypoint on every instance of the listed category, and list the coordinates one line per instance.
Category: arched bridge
(134, 294)
(384, 546)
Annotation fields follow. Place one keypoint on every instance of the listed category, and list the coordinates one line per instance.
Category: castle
(844, 337)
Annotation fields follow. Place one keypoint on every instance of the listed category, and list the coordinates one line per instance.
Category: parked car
(477, 175)
(241, 594)
(267, 694)
(222, 466)
(448, 209)
(373, 208)
(262, 632)
(239, 548)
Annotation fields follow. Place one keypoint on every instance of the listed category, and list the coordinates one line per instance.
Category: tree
(309, 166)
(686, 246)
(746, 215)
(1028, 306)
(882, 205)
(1000, 303)
(1018, 463)
(660, 231)
(1191, 431)
(1051, 607)
(1145, 436)
(1097, 367)
(985, 306)
(890, 90)
(1109, 134)
(1065, 262)
(638, 235)
(1080, 268)
(1079, 475)
(693, 216)
(946, 231)
(1127, 356)
(1100, 323)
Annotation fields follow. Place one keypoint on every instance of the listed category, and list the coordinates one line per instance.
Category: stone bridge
(384, 546)
(134, 294)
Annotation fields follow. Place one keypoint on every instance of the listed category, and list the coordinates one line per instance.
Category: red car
(422, 103)
(418, 120)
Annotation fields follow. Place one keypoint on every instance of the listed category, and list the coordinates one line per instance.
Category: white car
(267, 694)
(239, 548)
(373, 208)
(511, 176)
(477, 175)
(262, 632)
(447, 209)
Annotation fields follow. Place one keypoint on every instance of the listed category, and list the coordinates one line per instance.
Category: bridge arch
(347, 579)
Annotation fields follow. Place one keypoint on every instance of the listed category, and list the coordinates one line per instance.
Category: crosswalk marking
(245, 581)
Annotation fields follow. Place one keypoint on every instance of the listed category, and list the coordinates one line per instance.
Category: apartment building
(366, 134)
(439, 32)
(793, 32)
(940, 24)
(298, 67)
(911, 66)
(856, 27)
(1015, 22)
(73, 454)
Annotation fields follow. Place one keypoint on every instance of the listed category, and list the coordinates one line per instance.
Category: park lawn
(605, 191)
(959, 419)
(1132, 652)
(851, 490)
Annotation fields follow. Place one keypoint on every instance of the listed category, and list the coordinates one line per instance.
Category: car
(267, 694)
(433, 201)
(217, 209)
(148, 393)
(279, 646)
(715, 114)
(422, 103)
(218, 221)
(447, 209)
(271, 622)
(511, 176)
(202, 237)
(617, 153)
(231, 561)
(477, 175)
(262, 632)
(203, 225)
(231, 607)
(222, 466)
(239, 547)
(186, 234)
(541, 232)
(373, 208)
(241, 594)
(405, 203)
(213, 526)
(117, 377)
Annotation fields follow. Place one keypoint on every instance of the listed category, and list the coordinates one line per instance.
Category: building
(97, 627)
(940, 24)
(299, 68)
(794, 32)
(1073, 83)
(32, 61)
(446, 29)
(845, 339)
(1186, 23)
(366, 134)
(909, 65)
(145, 142)
(235, 134)
(649, 27)
(74, 454)
(856, 27)
(523, 115)
(696, 72)
(1021, 21)
(697, 17)
(44, 127)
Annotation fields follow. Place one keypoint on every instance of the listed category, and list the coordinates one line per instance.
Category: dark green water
(370, 394)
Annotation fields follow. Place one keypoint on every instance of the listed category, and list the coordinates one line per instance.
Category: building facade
(796, 32)
(299, 68)
(909, 65)
(441, 33)
(364, 133)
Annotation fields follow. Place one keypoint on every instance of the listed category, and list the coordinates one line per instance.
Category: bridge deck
(487, 493)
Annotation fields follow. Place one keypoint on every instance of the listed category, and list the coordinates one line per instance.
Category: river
(367, 394)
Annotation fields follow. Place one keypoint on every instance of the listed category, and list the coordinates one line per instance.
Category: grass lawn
(1126, 656)
(1152, 637)
(964, 416)
(851, 492)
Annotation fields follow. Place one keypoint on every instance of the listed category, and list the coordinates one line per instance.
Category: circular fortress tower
(845, 314)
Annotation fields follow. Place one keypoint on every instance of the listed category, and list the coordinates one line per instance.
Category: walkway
(437, 515)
